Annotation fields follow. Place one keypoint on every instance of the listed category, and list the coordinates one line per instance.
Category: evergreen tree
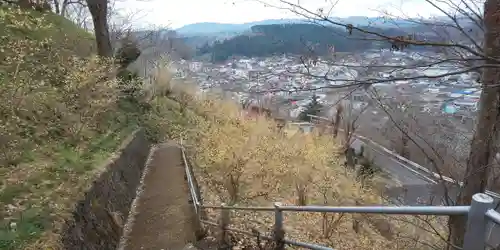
(313, 108)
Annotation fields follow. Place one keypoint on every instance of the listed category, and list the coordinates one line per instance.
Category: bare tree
(458, 44)
(78, 12)
(61, 6)
(110, 24)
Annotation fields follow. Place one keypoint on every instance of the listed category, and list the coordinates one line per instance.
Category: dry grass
(59, 120)
(250, 163)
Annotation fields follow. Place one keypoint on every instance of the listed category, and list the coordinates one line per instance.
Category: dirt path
(164, 215)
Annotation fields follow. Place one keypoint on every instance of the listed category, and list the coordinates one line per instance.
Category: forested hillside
(266, 40)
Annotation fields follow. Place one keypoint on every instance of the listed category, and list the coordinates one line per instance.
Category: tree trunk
(56, 7)
(336, 123)
(64, 7)
(404, 152)
(99, 11)
(484, 142)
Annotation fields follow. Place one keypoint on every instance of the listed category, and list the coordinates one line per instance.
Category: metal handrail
(493, 216)
(402, 210)
(189, 177)
(478, 213)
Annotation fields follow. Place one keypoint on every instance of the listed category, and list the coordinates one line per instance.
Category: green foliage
(130, 82)
(313, 108)
(128, 52)
(367, 169)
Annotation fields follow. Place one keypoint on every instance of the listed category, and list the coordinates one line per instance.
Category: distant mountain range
(229, 29)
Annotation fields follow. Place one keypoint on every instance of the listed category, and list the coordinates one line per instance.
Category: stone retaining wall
(99, 218)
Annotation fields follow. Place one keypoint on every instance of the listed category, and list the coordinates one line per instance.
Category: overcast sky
(176, 13)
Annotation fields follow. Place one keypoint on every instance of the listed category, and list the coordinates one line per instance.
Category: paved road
(412, 187)
(401, 174)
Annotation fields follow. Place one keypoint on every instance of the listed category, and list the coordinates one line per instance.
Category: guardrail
(478, 213)
(191, 185)
(407, 162)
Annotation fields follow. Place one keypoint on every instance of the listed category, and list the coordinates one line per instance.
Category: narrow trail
(164, 218)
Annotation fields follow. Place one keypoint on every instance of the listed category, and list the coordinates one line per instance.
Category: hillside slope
(299, 39)
(242, 161)
(60, 118)
(211, 28)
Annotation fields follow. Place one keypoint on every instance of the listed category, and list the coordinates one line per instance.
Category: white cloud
(176, 13)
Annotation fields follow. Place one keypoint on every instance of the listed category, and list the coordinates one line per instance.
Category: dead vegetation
(249, 162)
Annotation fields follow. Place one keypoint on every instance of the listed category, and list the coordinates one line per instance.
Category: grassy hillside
(60, 118)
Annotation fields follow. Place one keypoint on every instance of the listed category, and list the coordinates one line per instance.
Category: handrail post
(279, 233)
(475, 233)
(223, 223)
